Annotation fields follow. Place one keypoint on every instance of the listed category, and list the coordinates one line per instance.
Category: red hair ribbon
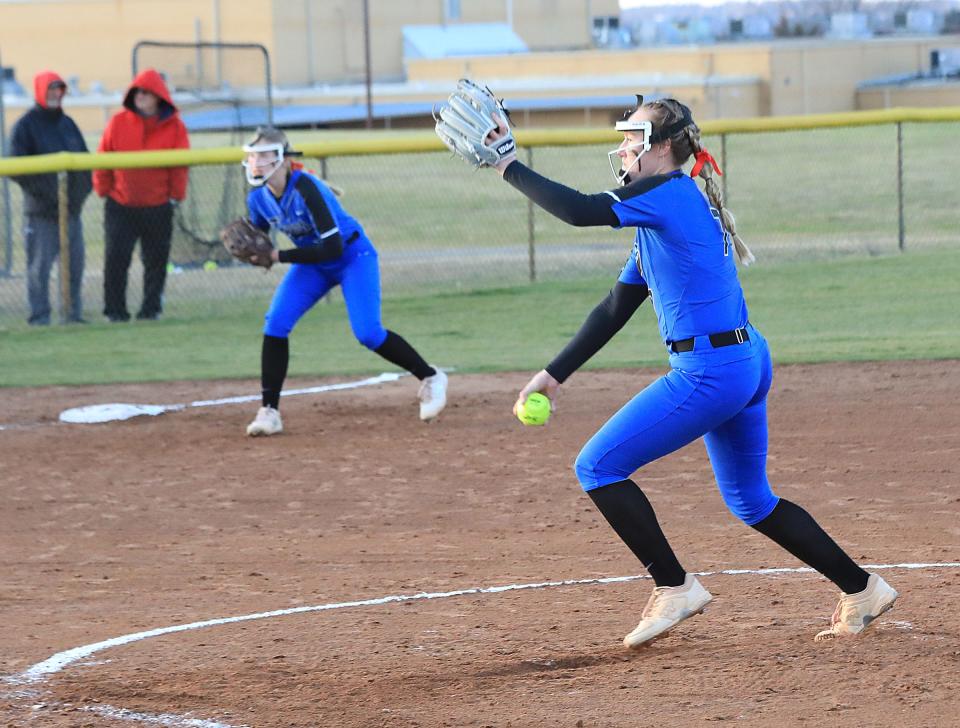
(703, 156)
(299, 165)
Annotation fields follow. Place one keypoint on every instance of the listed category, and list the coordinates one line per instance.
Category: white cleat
(433, 395)
(267, 422)
(855, 612)
(666, 608)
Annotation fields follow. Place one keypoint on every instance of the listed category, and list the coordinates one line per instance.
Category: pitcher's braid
(686, 143)
(715, 196)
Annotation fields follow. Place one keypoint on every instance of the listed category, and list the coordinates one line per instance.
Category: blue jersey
(331, 250)
(683, 255)
(291, 215)
(686, 261)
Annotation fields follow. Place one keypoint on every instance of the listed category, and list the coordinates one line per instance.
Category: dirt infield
(113, 529)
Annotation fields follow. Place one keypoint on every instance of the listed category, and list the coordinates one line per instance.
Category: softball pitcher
(331, 249)
(720, 366)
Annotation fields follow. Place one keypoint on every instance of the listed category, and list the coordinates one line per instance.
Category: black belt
(727, 338)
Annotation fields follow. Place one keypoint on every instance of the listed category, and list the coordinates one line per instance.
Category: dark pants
(42, 240)
(123, 226)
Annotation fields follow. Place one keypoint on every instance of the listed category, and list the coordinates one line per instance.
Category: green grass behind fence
(800, 189)
(850, 309)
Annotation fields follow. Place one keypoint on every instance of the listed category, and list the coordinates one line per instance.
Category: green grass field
(852, 308)
(818, 207)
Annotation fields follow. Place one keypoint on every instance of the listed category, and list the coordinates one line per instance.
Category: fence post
(531, 244)
(7, 227)
(323, 175)
(723, 165)
(901, 231)
(64, 218)
(328, 298)
(5, 183)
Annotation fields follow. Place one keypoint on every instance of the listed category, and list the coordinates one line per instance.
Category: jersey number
(723, 231)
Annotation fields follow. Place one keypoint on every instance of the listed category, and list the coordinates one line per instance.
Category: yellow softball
(535, 411)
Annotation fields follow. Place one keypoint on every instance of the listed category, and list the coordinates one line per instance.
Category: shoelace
(837, 615)
(652, 603)
(426, 391)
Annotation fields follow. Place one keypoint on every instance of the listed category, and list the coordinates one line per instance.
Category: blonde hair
(270, 135)
(273, 135)
(686, 143)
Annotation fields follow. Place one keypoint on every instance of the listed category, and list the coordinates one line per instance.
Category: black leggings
(123, 226)
(275, 357)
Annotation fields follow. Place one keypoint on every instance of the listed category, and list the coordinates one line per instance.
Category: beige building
(317, 53)
(731, 79)
(923, 93)
(309, 41)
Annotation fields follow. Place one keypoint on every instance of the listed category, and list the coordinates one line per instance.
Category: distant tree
(782, 28)
(951, 22)
(798, 29)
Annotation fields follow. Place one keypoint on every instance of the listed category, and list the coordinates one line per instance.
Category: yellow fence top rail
(398, 143)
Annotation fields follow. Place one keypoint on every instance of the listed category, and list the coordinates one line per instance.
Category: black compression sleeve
(571, 206)
(396, 350)
(796, 530)
(329, 247)
(628, 510)
(602, 323)
(274, 358)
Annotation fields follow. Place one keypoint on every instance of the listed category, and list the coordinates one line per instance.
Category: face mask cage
(250, 164)
(640, 146)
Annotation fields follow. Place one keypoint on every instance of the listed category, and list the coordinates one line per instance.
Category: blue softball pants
(718, 394)
(357, 272)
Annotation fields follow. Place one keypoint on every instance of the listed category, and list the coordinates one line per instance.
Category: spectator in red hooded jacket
(140, 202)
(45, 129)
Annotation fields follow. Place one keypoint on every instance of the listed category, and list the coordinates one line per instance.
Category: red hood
(152, 81)
(41, 84)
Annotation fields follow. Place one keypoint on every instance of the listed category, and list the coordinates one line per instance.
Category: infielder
(720, 366)
(331, 249)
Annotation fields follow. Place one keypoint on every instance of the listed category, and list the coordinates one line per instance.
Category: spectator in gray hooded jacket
(45, 129)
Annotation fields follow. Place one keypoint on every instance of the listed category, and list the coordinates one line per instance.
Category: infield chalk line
(170, 720)
(97, 413)
(62, 659)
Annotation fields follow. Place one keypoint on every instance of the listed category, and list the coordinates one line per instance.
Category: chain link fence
(440, 226)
